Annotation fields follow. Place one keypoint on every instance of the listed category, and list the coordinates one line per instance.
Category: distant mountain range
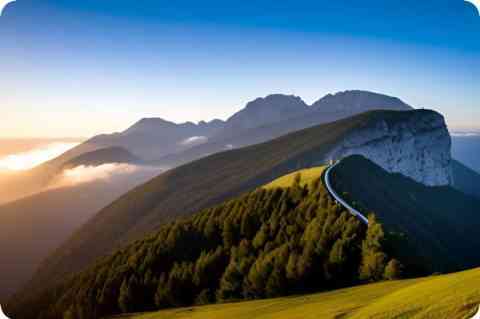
(155, 139)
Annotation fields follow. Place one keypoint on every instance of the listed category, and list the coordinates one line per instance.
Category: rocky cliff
(417, 147)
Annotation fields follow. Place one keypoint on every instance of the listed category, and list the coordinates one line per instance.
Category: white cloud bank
(465, 134)
(85, 174)
(27, 160)
(108, 173)
(194, 140)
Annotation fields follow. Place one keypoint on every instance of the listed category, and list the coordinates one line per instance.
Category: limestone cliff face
(417, 147)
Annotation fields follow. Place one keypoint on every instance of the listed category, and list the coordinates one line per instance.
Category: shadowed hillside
(33, 227)
(103, 156)
(437, 223)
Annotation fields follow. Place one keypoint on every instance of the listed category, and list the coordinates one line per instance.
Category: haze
(35, 156)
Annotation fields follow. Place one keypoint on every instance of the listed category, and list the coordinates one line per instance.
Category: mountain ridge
(273, 108)
(200, 184)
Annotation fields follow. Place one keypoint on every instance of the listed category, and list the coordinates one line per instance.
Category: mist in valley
(40, 211)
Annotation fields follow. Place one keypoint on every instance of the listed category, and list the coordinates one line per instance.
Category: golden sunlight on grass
(454, 296)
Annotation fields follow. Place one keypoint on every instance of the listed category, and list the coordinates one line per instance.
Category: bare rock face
(417, 147)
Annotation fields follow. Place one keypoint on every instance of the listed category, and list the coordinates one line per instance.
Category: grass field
(454, 296)
(307, 176)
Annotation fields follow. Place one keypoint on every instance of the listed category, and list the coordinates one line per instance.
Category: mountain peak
(149, 123)
(359, 100)
(277, 101)
(265, 110)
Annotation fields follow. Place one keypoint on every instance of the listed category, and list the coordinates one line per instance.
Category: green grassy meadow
(453, 296)
(307, 176)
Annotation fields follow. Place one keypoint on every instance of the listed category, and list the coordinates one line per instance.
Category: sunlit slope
(307, 176)
(454, 296)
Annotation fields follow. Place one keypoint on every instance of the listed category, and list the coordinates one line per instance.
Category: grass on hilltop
(454, 296)
(307, 176)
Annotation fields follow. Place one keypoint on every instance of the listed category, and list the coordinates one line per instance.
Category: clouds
(27, 160)
(194, 140)
(86, 174)
(465, 134)
(111, 173)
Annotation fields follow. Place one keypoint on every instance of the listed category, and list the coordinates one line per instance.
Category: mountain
(328, 109)
(32, 228)
(167, 144)
(435, 223)
(109, 155)
(151, 138)
(189, 188)
(466, 149)
(356, 101)
(466, 167)
(465, 179)
(262, 111)
(265, 243)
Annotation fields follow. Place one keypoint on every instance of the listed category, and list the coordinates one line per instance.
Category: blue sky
(78, 68)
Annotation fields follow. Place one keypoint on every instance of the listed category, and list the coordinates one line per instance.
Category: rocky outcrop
(417, 147)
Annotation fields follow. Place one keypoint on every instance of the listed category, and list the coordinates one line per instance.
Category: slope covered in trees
(438, 225)
(266, 243)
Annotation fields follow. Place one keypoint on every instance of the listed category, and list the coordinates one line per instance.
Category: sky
(80, 68)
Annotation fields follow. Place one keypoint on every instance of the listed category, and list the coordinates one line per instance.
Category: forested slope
(266, 243)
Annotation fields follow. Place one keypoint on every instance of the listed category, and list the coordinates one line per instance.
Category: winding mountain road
(337, 197)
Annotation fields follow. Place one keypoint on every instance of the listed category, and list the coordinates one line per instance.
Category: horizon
(454, 129)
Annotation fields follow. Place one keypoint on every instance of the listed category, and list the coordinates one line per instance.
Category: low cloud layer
(112, 172)
(194, 140)
(465, 134)
(27, 160)
(84, 174)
